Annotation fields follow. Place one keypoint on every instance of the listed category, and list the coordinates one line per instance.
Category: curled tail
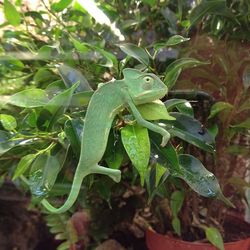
(76, 186)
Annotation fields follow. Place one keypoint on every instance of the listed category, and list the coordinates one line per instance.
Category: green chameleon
(108, 100)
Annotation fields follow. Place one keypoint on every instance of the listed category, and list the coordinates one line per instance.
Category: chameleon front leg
(149, 125)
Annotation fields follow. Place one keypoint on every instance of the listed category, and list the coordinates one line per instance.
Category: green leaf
(58, 104)
(135, 52)
(136, 143)
(218, 107)
(197, 176)
(165, 156)
(81, 99)
(23, 165)
(174, 69)
(29, 98)
(5, 142)
(150, 2)
(217, 7)
(176, 224)
(61, 5)
(8, 121)
(245, 124)
(43, 174)
(11, 14)
(11, 63)
(176, 202)
(172, 41)
(71, 76)
(154, 111)
(190, 130)
(73, 130)
(159, 172)
(214, 236)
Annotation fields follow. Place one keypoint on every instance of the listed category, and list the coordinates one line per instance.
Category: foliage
(52, 59)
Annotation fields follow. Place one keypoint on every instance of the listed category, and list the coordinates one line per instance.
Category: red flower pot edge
(157, 241)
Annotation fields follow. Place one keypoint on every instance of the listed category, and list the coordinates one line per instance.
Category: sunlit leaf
(61, 5)
(11, 14)
(8, 121)
(154, 111)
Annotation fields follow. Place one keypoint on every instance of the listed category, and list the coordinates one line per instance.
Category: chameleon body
(107, 101)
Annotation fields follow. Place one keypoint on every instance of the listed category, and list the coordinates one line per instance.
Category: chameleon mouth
(150, 95)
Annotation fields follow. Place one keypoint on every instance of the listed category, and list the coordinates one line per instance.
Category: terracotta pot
(157, 241)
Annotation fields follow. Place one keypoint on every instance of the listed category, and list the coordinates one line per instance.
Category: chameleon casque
(107, 101)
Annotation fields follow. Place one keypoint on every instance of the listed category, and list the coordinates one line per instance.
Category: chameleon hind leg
(114, 174)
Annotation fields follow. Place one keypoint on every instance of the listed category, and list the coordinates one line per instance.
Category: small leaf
(136, 143)
(71, 76)
(23, 165)
(5, 142)
(174, 69)
(8, 122)
(173, 40)
(135, 52)
(11, 63)
(176, 202)
(218, 107)
(29, 98)
(176, 224)
(214, 236)
(150, 2)
(159, 172)
(81, 99)
(11, 14)
(154, 111)
(73, 130)
(61, 5)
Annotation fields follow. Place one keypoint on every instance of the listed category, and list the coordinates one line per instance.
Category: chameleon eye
(147, 82)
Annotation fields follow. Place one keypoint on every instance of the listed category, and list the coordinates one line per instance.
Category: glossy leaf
(29, 98)
(43, 174)
(190, 130)
(218, 107)
(71, 76)
(11, 14)
(154, 111)
(8, 121)
(197, 176)
(61, 5)
(136, 143)
(214, 236)
(135, 52)
(5, 142)
(174, 69)
(23, 165)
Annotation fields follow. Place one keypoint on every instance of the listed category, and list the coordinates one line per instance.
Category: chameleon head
(144, 87)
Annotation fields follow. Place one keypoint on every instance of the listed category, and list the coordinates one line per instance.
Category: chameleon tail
(76, 186)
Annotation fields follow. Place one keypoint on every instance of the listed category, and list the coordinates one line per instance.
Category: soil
(20, 228)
